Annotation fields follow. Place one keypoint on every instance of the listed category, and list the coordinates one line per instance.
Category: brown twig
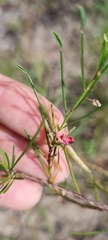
(68, 195)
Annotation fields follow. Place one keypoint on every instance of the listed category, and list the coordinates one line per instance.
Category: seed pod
(95, 102)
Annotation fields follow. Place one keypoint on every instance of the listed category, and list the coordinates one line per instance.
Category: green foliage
(83, 16)
(103, 58)
(57, 38)
(87, 233)
(62, 70)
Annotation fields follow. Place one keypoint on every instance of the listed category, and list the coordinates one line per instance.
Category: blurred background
(26, 39)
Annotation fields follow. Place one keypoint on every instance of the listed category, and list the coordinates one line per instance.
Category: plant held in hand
(58, 136)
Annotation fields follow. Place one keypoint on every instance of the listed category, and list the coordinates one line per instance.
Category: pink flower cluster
(64, 138)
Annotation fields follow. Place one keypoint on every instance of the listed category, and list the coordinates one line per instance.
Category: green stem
(88, 114)
(87, 233)
(28, 146)
(82, 58)
(41, 162)
(63, 81)
(71, 172)
(96, 78)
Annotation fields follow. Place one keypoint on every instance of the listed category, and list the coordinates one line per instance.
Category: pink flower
(64, 138)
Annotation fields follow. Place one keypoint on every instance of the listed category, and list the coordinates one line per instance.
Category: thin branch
(67, 194)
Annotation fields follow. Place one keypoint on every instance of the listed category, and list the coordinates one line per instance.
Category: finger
(19, 108)
(29, 163)
(23, 194)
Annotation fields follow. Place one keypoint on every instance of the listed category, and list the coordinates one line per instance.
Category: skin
(19, 111)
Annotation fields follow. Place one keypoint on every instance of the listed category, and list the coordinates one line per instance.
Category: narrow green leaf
(71, 171)
(83, 22)
(88, 114)
(21, 68)
(34, 145)
(91, 85)
(45, 115)
(71, 130)
(28, 146)
(7, 160)
(3, 167)
(63, 81)
(87, 233)
(82, 58)
(31, 82)
(7, 186)
(102, 55)
(101, 187)
(4, 180)
(37, 153)
(34, 89)
(103, 58)
(13, 157)
(57, 38)
(82, 15)
(4, 162)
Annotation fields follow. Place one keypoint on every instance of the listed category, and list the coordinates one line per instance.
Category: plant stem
(63, 81)
(71, 171)
(96, 78)
(88, 114)
(82, 58)
(28, 146)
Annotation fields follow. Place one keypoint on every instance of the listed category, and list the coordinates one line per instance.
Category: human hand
(19, 111)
